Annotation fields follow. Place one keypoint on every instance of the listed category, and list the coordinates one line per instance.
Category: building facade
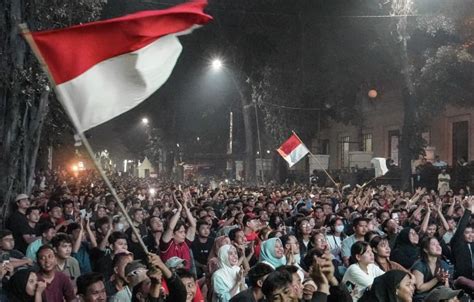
(376, 133)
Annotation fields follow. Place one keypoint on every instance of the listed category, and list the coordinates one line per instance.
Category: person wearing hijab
(405, 251)
(213, 263)
(273, 253)
(229, 280)
(393, 286)
(24, 286)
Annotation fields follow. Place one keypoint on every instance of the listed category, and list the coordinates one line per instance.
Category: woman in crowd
(303, 234)
(430, 271)
(24, 286)
(381, 249)
(406, 251)
(393, 286)
(335, 236)
(361, 273)
(227, 281)
(273, 253)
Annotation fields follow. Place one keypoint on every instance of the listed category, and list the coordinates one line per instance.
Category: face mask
(339, 228)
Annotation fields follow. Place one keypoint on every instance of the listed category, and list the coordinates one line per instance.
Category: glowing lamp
(372, 93)
(75, 168)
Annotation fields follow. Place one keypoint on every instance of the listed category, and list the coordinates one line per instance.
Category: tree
(24, 90)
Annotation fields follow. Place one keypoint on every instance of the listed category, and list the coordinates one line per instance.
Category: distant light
(177, 145)
(372, 93)
(152, 192)
(130, 161)
(268, 151)
(258, 152)
(197, 138)
(145, 121)
(216, 64)
(75, 168)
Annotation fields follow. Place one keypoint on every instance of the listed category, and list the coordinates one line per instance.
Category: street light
(216, 64)
(145, 121)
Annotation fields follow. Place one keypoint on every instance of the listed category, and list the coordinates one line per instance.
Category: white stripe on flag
(296, 155)
(118, 84)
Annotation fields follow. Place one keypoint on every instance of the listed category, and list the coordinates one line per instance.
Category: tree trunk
(250, 167)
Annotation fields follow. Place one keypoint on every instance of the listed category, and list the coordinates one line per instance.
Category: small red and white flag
(103, 69)
(293, 150)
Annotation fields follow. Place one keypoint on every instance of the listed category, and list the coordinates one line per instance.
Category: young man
(59, 287)
(201, 247)
(137, 216)
(257, 276)
(360, 226)
(66, 264)
(28, 231)
(155, 231)
(18, 222)
(251, 226)
(8, 251)
(176, 240)
(117, 242)
(134, 272)
(193, 293)
(81, 247)
(91, 288)
(47, 232)
(118, 280)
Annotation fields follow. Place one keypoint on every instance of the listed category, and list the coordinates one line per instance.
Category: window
(367, 141)
(393, 140)
(344, 143)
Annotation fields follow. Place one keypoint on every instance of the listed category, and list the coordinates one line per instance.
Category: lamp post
(217, 64)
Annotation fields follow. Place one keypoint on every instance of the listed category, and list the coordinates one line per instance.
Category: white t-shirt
(360, 280)
(335, 245)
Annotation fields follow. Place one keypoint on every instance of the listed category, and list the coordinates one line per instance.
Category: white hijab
(226, 270)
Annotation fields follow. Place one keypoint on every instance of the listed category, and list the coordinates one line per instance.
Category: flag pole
(25, 32)
(318, 162)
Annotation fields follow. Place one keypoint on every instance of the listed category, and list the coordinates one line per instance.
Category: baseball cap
(134, 266)
(20, 197)
(442, 293)
(174, 262)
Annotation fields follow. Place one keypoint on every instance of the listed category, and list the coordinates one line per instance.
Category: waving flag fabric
(293, 150)
(103, 69)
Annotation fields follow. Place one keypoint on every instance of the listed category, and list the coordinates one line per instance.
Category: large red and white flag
(293, 150)
(103, 69)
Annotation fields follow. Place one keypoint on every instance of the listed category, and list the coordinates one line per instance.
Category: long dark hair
(358, 248)
(374, 243)
(425, 244)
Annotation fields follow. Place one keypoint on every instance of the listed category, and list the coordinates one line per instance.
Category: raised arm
(441, 217)
(426, 220)
(191, 232)
(91, 235)
(168, 234)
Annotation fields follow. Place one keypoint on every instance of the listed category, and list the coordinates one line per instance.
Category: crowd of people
(69, 241)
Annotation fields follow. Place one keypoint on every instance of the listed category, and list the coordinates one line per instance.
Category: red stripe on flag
(290, 145)
(71, 51)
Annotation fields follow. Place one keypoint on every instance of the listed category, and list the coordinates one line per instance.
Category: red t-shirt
(172, 249)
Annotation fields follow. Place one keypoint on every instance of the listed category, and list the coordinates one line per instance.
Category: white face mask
(339, 228)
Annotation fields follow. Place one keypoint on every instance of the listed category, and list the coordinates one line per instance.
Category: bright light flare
(75, 168)
(216, 64)
(145, 121)
(152, 192)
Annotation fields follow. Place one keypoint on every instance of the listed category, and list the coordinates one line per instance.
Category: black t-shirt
(18, 224)
(245, 296)
(201, 250)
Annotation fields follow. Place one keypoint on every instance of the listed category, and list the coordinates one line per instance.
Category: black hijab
(16, 286)
(384, 288)
(404, 252)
